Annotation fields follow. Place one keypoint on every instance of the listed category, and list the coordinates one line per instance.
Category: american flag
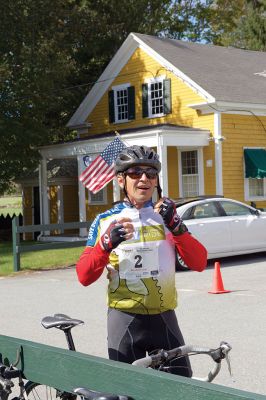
(101, 170)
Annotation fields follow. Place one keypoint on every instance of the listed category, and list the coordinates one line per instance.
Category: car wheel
(179, 264)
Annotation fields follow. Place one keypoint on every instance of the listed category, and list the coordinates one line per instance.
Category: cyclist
(137, 242)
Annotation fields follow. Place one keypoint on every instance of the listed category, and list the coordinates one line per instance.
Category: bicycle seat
(93, 395)
(60, 321)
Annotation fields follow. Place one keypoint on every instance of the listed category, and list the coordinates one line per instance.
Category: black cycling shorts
(131, 336)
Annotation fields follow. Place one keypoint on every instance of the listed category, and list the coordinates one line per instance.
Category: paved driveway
(238, 317)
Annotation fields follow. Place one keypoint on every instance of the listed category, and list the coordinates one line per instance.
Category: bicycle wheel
(37, 391)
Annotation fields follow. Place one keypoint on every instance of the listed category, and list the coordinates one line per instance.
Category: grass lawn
(36, 260)
(10, 205)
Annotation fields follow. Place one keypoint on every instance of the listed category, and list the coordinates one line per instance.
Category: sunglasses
(136, 173)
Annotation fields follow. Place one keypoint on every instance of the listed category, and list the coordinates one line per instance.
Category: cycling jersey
(141, 270)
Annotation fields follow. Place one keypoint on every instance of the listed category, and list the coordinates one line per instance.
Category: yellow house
(203, 107)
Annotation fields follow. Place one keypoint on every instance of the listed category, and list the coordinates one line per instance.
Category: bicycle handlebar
(163, 356)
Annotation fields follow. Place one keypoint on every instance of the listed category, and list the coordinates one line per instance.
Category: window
(98, 198)
(156, 98)
(189, 173)
(207, 210)
(255, 189)
(202, 210)
(122, 103)
(235, 209)
(255, 173)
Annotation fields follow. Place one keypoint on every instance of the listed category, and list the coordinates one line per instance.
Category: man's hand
(118, 231)
(167, 209)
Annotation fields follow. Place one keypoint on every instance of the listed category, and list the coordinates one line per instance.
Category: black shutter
(131, 102)
(145, 100)
(167, 96)
(111, 106)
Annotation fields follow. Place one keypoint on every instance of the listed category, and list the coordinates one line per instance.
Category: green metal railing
(65, 370)
(18, 248)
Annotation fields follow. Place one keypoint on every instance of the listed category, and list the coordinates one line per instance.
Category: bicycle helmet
(137, 155)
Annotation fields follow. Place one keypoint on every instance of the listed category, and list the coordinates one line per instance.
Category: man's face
(139, 182)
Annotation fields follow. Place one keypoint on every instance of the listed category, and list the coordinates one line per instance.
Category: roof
(219, 74)
(56, 169)
(226, 73)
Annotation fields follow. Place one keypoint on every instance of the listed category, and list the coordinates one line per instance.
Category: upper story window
(122, 103)
(156, 98)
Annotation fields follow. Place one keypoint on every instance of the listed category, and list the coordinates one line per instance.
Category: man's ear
(121, 180)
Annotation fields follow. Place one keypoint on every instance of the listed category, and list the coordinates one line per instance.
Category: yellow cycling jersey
(141, 270)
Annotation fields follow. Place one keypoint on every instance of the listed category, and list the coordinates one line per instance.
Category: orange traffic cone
(217, 285)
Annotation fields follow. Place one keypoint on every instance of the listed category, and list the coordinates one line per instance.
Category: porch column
(82, 198)
(45, 217)
(116, 190)
(218, 153)
(163, 176)
(60, 205)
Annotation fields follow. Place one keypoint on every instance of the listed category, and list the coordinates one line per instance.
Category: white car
(224, 226)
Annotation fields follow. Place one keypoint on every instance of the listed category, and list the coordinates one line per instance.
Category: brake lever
(225, 350)
(227, 358)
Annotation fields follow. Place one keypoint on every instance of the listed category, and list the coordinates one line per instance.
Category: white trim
(218, 153)
(163, 175)
(172, 137)
(103, 83)
(229, 108)
(121, 87)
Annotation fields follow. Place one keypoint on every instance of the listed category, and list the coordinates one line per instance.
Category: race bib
(139, 261)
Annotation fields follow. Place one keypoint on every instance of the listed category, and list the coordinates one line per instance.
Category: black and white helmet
(137, 155)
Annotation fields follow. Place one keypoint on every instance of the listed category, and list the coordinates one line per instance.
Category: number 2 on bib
(138, 259)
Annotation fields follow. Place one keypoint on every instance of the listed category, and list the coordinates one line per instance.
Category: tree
(53, 52)
(247, 29)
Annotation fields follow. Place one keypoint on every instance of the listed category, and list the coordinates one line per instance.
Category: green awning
(255, 163)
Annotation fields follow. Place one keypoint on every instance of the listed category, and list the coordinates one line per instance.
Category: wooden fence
(66, 370)
(19, 248)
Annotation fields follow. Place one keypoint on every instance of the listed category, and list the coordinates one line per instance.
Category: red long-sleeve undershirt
(93, 260)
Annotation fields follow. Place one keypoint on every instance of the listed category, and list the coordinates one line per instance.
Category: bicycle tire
(38, 391)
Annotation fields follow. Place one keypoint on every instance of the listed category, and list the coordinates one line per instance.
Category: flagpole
(122, 140)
